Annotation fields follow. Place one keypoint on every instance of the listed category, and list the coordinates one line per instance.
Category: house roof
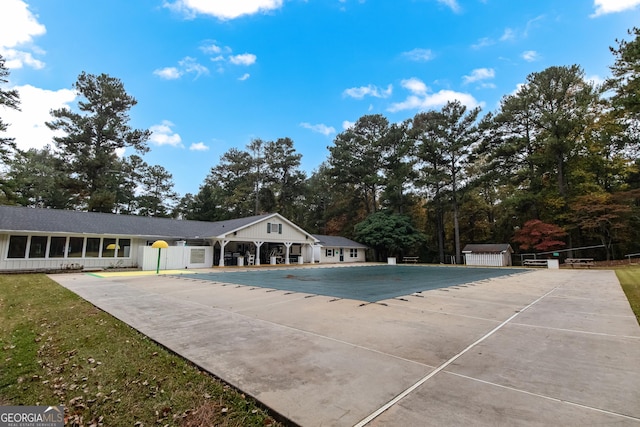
(23, 219)
(488, 248)
(338, 242)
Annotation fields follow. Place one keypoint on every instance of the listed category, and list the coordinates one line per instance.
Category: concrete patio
(548, 347)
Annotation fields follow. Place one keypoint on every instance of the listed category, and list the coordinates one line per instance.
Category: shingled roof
(337, 242)
(487, 248)
(23, 219)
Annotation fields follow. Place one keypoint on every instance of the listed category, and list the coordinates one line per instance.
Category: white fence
(489, 260)
(176, 257)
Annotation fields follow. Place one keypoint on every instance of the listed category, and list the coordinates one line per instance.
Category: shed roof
(488, 248)
(338, 242)
(23, 219)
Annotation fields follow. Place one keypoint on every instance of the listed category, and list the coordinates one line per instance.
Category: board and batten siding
(488, 259)
(258, 231)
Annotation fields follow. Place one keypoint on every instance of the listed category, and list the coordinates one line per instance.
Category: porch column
(287, 245)
(313, 253)
(223, 243)
(258, 244)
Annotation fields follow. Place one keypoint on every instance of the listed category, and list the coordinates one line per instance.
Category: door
(341, 255)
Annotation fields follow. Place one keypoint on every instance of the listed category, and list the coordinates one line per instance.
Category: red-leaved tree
(540, 236)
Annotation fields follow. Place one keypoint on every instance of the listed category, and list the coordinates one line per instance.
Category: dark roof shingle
(23, 219)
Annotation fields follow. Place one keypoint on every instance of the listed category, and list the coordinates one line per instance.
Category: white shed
(489, 254)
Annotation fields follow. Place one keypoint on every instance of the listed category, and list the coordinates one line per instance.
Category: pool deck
(550, 347)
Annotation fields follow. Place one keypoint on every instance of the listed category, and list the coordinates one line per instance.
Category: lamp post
(159, 244)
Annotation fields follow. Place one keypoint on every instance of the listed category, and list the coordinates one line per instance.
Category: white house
(332, 249)
(494, 255)
(50, 239)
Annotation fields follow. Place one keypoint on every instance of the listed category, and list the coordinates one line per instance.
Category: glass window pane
(56, 250)
(93, 247)
(125, 248)
(38, 247)
(109, 248)
(75, 247)
(17, 247)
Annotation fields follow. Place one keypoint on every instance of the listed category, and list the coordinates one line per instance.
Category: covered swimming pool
(365, 283)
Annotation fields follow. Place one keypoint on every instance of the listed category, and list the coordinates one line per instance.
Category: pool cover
(364, 283)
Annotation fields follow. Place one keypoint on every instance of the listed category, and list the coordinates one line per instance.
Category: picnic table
(579, 262)
(535, 263)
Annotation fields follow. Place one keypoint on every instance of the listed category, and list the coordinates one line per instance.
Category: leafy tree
(431, 165)
(94, 136)
(540, 236)
(37, 180)
(157, 197)
(447, 136)
(283, 178)
(626, 75)
(8, 99)
(398, 167)
(388, 234)
(601, 216)
(356, 158)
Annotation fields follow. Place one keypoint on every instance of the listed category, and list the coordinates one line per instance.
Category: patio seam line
(301, 331)
(576, 331)
(440, 368)
(445, 313)
(555, 399)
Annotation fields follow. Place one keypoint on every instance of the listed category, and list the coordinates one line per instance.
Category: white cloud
(419, 55)
(191, 65)
(421, 99)
(604, 7)
(479, 74)
(212, 48)
(483, 42)
(453, 4)
(198, 146)
(185, 66)
(244, 77)
(17, 59)
(28, 126)
(347, 124)
(162, 134)
(508, 34)
(370, 90)
(168, 73)
(415, 85)
(319, 128)
(530, 55)
(595, 79)
(18, 27)
(243, 59)
(224, 9)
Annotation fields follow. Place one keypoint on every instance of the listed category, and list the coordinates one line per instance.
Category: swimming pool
(365, 283)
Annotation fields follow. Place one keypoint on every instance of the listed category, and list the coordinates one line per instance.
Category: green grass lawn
(56, 348)
(629, 278)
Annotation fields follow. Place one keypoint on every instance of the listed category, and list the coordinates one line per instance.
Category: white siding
(488, 260)
(258, 231)
(175, 257)
(321, 255)
(66, 262)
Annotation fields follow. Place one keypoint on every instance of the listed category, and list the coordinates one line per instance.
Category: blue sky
(210, 75)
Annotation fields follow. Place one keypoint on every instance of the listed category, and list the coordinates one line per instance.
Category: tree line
(554, 166)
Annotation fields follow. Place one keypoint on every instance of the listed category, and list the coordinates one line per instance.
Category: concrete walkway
(550, 347)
